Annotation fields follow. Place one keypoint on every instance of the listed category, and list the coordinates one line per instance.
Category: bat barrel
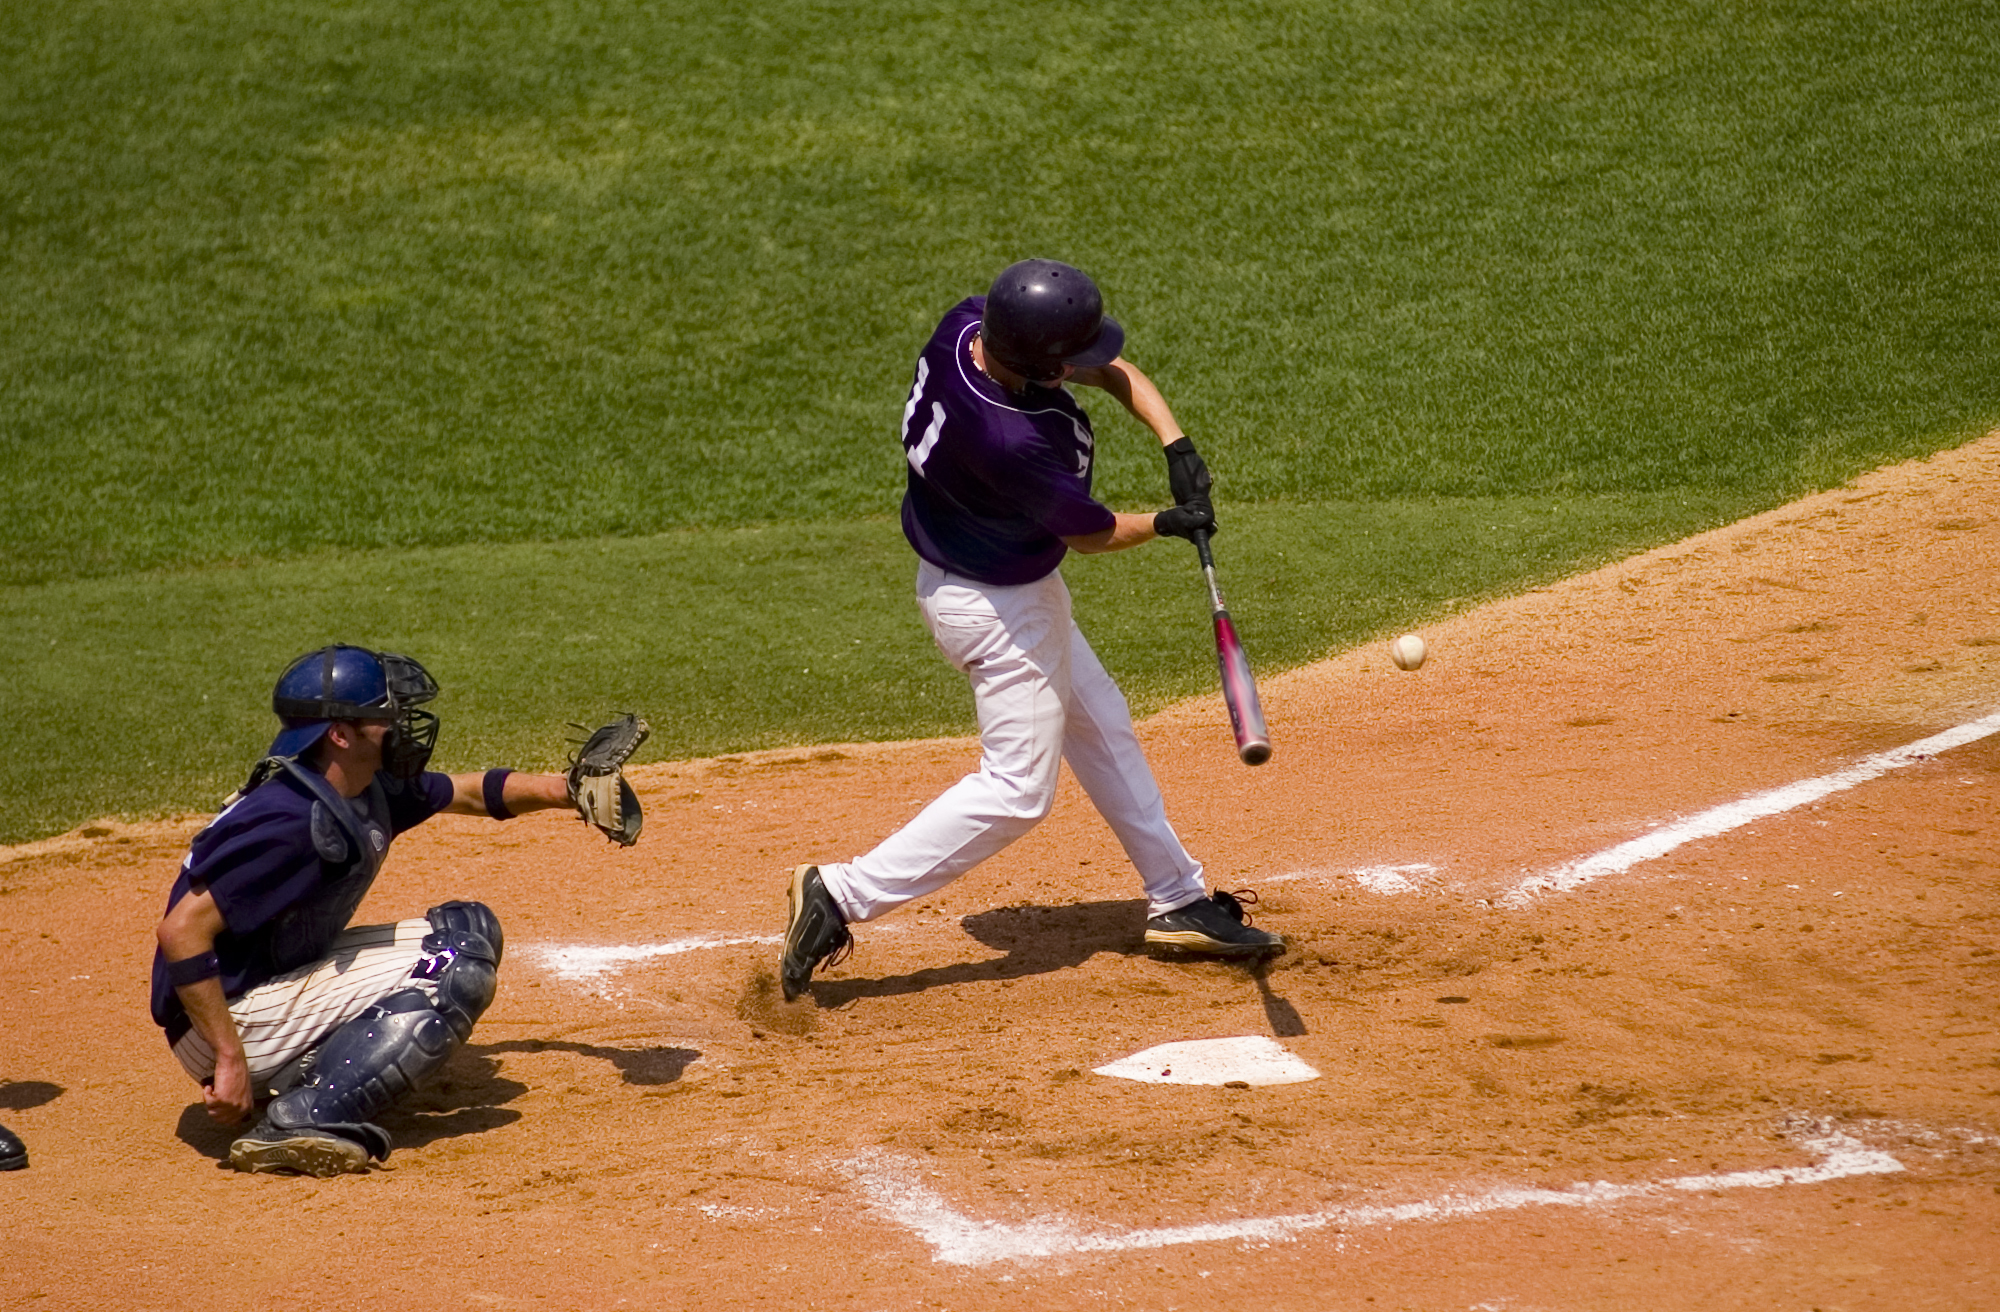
(1239, 692)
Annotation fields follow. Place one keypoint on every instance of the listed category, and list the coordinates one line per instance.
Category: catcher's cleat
(306, 1151)
(13, 1153)
(815, 935)
(1215, 926)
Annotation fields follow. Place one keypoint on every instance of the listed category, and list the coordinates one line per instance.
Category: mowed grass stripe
(281, 276)
(147, 694)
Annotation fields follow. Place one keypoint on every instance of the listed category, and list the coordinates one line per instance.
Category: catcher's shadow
(643, 1066)
(1036, 940)
(463, 1098)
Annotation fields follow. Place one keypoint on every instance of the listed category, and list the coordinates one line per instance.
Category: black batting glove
(1185, 521)
(1187, 475)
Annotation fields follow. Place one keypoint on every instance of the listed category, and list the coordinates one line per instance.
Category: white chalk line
(1386, 880)
(893, 1190)
(586, 963)
(1930, 1139)
(1743, 811)
(589, 963)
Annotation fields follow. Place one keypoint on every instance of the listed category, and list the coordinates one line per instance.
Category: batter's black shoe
(815, 934)
(309, 1151)
(1216, 926)
(13, 1153)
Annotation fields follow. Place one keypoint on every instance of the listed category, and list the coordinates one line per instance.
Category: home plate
(1250, 1059)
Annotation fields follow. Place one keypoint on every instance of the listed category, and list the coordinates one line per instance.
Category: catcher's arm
(520, 793)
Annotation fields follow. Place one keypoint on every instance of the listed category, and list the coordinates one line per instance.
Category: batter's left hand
(1187, 473)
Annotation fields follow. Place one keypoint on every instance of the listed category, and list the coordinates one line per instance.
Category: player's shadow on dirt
(1284, 1018)
(1041, 940)
(1037, 941)
(463, 1098)
(635, 1065)
(25, 1095)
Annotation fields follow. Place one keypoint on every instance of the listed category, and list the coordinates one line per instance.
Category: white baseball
(1407, 651)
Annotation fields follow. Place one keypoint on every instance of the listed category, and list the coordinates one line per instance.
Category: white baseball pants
(283, 1017)
(1042, 697)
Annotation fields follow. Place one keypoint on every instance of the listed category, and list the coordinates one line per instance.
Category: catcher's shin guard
(386, 1051)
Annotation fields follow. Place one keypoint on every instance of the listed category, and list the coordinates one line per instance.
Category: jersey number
(918, 449)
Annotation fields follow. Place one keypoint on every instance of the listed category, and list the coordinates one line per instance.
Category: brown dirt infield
(666, 1134)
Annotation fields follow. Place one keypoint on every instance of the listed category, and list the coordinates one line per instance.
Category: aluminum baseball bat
(1239, 689)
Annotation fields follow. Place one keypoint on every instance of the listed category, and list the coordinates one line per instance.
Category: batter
(1000, 458)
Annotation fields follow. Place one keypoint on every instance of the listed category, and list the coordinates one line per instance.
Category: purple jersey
(281, 904)
(997, 478)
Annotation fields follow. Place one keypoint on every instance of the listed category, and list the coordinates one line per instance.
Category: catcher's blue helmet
(354, 683)
(1041, 315)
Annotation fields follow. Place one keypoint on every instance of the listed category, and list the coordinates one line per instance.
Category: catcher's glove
(597, 784)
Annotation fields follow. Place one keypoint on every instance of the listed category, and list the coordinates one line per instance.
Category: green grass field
(733, 638)
(467, 326)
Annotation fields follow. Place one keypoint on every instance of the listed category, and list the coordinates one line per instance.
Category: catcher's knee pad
(474, 916)
(462, 963)
(367, 1064)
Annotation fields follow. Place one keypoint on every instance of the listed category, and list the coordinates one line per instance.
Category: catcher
(264, 991)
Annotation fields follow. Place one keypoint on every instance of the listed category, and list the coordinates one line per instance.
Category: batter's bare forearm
(1127, 531)
(1133, 390)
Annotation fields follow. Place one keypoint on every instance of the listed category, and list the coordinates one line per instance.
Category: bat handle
(1201, 549)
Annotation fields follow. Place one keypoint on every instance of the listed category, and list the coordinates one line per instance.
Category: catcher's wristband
(494, 786)
(193, 970)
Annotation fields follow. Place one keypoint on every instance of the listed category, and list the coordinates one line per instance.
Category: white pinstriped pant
(1042, 697)
(281, 1018)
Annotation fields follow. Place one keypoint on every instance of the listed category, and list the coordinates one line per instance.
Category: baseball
(1407, 651)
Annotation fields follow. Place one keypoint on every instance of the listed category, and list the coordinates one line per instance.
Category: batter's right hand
(1185, 521)
(227, 1093)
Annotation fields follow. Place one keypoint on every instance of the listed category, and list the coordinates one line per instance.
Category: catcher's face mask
(412, 732)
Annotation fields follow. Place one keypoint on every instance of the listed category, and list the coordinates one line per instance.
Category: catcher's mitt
(597, 784)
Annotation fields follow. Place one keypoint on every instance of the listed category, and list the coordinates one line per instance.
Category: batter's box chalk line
(1743, 811)
(893, 1188)
(586, 963)
(1386, 880)
(589, 963)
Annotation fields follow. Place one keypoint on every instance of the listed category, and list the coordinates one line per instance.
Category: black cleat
(814, 935)
(1213, 927)
(306, 1151)
(13, 1153)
